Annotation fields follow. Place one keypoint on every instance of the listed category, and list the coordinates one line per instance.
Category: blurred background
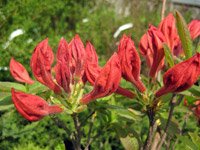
(24, 23)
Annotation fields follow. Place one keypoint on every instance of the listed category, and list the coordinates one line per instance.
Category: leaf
(6, 107)
(195, 139)
(37, 88)
(130, 143)
(168, 55)
(6, 86)
(6, 100)
(198, 48)
(184, 35)
(195, 90)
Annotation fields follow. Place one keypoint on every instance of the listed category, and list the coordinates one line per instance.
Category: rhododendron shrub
(74, 84)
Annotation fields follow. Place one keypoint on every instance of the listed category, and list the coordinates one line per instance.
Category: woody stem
(152, 128)
(77, 133)
(173, 103)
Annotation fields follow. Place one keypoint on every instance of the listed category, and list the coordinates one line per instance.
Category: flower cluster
(77, 64)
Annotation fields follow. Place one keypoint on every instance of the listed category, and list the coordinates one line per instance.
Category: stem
(60, 124)
(77, 133)
(163, 9)
(172, 104)
(89, 140)
(152, 128)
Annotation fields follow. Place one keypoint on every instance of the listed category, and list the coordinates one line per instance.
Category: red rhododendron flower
(77, 52)
(62, 69)
(92, 70)
(32, 107)
(145, 50)
(194, 28)
(156, 40)
(130, 62)
(168, 28)
(107, 81)
(41, 61)
(151, 46)
(181, 76)
(19, 72)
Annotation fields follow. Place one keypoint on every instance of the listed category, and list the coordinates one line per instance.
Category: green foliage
(184, 35)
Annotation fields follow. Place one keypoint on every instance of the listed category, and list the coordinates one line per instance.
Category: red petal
(130, 62)
(107, 81)
(62, 70)
(168, 28)
(32, 107)
(194, 28)
(41, 61)
(19, 72)
(77, 52)
(181, 76)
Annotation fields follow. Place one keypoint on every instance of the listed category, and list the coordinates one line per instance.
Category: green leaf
(168, 55)
(130, 143)
(184, 35)
(37, 88)
(195, 139)
(6, 101)
(198, 48)
(195, 90)
(6, 86)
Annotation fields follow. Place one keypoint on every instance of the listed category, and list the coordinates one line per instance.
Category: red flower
(41, 62)
(130, 62)
(168, 28)
(194, 28)
(62, 69)
(92, 70)
(107, 81)
(32, 107)
(19, 72)
(145, 49)
(156, 40)
(151, 46)
(181, 76)
(77, 52)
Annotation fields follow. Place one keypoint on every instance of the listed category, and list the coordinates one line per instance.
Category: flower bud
(107, 82)
(181, 76)
(41, 61)
(130, 62)
(19, 72)
(32, 107)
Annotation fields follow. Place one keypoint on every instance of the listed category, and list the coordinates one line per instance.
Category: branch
(163, 9)
(77, 133)
(152, 128)
(172, 104)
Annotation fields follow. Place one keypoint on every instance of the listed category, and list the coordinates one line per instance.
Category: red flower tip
(194, 28)
(41, 61)
(156, 40)
(168, 28)
(181, 76)
(77, 52)
(62, 69)
(107, 82)
(92, 68)
(19, 72)
(130, 62)
(32, 107)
